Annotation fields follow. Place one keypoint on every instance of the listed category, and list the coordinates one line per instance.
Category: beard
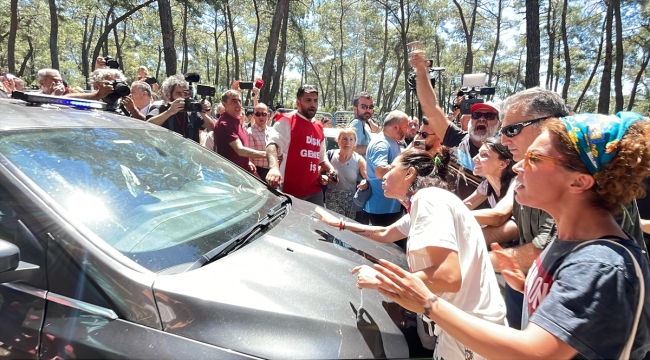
(482, 131)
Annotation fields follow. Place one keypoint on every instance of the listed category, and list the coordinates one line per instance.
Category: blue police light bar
(58, 100)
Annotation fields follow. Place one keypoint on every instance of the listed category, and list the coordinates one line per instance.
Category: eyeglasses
(261, 114)
(486, 116)
(514, 129)
(531, 157)
(423, 134)
(366, 107)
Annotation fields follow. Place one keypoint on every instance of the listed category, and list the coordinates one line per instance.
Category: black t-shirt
(644, 208)
(455, 137)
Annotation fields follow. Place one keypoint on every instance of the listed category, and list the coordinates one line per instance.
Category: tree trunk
(225, 29)
(496, 41)
(54, 34)
(271, 50)
(281, 54)
(235, 50)
(384, 57)
(576, 107)
(567, 54)
(257, 35)
(167, 31)
(118, 46)
(160, 52)
(85, 48)
(404, 25)
(638, 78)
(13, 31)
(606, 79)
(217, 64)
(469, 34)
(363, 75)
(532, 44)
(618, 72)
(550, 30)
(341, 65)
(185, 58)
(107, 29)
(30, 54)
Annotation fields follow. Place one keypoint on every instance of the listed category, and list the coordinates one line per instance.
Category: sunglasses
(423, 134)
(486, 116)
(366, 107)
(514, 129)
(261, 114)
(532, 157)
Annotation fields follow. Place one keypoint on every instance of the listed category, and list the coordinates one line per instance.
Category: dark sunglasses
(423, 134)
(514, 129)
(366, 107)
(486, 116)
(261, 114)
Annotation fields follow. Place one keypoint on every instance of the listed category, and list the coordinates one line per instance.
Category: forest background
(593, 52)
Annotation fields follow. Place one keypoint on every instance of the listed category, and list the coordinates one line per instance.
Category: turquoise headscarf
(596, 137)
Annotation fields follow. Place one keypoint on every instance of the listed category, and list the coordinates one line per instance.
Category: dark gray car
(137, 243)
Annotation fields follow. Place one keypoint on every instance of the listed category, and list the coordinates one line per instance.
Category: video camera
(191, 104)
(431, 69)
(120, 90)
(472, 87)
(111, 63)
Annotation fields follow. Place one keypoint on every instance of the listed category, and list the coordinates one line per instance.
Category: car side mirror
(11, 268)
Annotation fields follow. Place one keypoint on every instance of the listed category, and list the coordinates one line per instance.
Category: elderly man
(363, 108)
(382, 150)
(173, 115)
(299, 139)
(231, 136)
(483, 124)
(102, 82)
(138, 103)
(51, 82)
(257, 134)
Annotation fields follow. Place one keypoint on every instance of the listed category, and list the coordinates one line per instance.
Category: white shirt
(280, 135)
(438, 218)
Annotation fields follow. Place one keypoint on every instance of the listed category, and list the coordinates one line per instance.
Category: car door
(22, 303)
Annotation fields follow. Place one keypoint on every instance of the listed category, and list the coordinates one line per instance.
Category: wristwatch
(430, 302)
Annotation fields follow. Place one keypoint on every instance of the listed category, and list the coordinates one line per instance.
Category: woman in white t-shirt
(445, 246)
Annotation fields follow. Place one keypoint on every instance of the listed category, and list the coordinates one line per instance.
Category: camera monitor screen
(473, 80)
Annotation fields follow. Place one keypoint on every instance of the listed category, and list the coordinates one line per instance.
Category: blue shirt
(363, 132)
(381, 151)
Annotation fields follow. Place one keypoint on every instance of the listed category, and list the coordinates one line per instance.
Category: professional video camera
(432, 72)
(201, 90)
(111, 63)
(473, 87)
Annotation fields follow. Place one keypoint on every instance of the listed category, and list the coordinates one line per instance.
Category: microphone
(438, 69)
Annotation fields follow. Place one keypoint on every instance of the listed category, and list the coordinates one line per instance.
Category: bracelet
(430, 302)
(343, 227)
(340, 224)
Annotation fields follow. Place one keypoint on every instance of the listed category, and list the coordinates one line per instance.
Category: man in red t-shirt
(230, 131)
(299, 140)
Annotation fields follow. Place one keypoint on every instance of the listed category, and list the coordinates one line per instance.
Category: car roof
(19, 115)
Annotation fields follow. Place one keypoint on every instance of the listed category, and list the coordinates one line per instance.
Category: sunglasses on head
(261, 114)
(486, 116)
(366, 107)
(514, 129)
(423, 134)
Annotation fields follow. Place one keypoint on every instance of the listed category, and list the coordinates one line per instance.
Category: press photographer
(182, 114)
(109, 86)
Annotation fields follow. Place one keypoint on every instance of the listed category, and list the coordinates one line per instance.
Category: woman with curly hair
(586, 294)
(445, 246)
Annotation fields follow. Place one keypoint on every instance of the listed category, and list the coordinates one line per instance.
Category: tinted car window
(157, 198)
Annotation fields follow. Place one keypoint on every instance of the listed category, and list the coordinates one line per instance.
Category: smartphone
(245, 85)
(419, 144)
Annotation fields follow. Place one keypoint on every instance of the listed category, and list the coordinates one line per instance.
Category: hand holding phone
(419, 144)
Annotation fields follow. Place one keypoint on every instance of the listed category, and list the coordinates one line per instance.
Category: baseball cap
(307, 89)
(489, 106)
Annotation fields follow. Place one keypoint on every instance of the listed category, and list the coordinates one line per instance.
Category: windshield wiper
(241, 239)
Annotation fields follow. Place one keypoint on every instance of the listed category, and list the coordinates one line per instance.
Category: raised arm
(427, 96)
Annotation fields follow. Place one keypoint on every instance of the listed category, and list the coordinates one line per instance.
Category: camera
(473, 87)
(120, 89)
(193, 105)
(333, 176)
(111, 63)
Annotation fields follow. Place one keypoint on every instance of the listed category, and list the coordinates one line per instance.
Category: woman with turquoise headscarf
(586, 295)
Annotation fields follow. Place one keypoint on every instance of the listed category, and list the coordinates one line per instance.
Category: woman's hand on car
(366, 277)
(326, 217)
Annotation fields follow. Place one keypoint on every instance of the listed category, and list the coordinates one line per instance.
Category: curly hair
(622, 179)
(430, 170)
(170, 82)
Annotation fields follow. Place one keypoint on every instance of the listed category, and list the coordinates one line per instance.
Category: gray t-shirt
(348, 172)
(588, 297)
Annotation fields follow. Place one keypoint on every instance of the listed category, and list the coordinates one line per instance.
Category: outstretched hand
(326, 217)
(366, 277)
(510, 270)
(402, 287)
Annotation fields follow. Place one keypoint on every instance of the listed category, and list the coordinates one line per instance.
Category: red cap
(490, 106)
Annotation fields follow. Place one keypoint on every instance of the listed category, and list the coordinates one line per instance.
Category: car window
(159, 199)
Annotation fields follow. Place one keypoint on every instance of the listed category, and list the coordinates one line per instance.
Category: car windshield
(159, 199)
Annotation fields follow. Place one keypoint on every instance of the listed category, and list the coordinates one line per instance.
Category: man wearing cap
(298, 139)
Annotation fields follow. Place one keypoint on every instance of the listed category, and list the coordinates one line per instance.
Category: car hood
(288, 294)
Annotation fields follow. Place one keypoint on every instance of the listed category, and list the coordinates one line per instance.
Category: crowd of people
(524, 189)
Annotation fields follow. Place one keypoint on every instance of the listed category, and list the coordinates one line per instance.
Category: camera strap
(182, 124)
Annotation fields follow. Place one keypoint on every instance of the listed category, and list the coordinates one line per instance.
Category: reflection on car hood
(288, 294)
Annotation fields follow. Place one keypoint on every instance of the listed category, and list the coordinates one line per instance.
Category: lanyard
(182, 124)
